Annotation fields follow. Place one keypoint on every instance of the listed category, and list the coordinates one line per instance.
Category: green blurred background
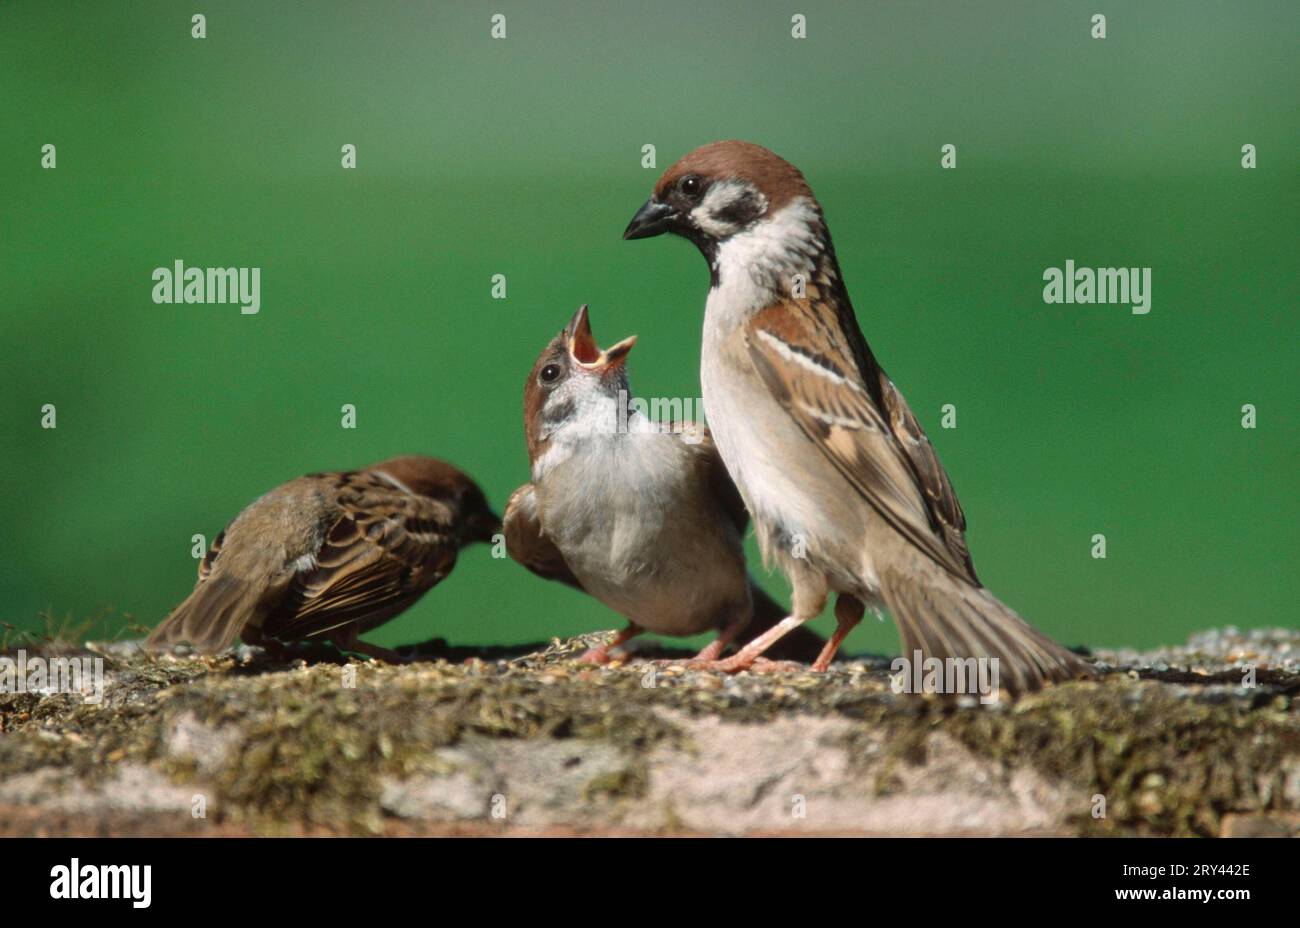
(522, 156)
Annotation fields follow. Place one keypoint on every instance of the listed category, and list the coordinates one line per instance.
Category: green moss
(311, 753)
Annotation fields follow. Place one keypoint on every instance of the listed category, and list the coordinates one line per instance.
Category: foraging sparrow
(846, 492)
(639, 514)
(331, 555)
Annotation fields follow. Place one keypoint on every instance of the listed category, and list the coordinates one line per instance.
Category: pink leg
(713, 650)
(809, 600)
(848, 613)
(746, 657)
(600, 653)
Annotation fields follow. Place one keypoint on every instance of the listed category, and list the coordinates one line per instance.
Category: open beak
(653, 218)
(583, 349)
(581, 343)
(616, 354)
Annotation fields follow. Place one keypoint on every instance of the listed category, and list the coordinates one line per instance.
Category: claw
(594, 656)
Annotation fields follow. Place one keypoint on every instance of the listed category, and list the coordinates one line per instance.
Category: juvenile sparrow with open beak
(846, 491)
(331, 556)
(639, 514)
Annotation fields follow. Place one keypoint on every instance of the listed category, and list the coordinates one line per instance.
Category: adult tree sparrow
(639, 514)
(846, 492)
(331, 555)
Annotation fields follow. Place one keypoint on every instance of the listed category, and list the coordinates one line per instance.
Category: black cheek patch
(558, 412)
(743, 210)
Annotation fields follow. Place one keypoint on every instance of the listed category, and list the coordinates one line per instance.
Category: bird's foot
(737, 663)
(601, 653)
(372, 651)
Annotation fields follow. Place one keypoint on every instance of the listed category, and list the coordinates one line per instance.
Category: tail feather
(944, 617)
(801, 644)
(210, 618)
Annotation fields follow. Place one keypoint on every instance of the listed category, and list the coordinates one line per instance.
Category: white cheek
(759, 264)
(722, 198)
(704, 220)
(594, 417)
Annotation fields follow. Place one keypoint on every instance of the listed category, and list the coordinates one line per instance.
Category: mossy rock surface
(527, 742)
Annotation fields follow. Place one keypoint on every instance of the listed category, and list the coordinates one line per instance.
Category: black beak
(484, 526)
(653, 218)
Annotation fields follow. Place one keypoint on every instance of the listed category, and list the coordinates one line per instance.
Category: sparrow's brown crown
(777, 179)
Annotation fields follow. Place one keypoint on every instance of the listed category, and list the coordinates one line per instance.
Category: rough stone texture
(495, 742)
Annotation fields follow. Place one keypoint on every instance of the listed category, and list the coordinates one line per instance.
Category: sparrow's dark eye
(692, 185)
(550, 373)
